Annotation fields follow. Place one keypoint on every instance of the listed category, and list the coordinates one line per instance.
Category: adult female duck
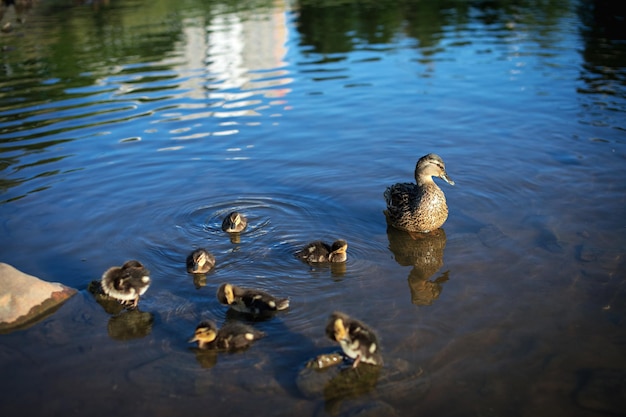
(419, 207)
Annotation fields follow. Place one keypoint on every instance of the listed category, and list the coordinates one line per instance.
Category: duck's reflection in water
(125, 323)
(335, 381)
(207, 358)
(199, 281)
(130, 324)
(366, 390)
(424, 252)
(349, 383)
(338, 270)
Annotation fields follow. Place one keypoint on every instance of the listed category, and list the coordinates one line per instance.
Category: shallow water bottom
(456, 342)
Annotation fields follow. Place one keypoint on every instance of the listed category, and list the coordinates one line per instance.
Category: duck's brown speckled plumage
(419, 207)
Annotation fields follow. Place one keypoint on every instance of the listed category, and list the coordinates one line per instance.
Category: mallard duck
(232, 336)
(319, 251)
(235, 222)
(126, 283)
(249, 300)
(200, 261)
(419, 207)
(356, 339)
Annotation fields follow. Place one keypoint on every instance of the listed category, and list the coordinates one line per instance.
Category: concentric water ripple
(262, 256)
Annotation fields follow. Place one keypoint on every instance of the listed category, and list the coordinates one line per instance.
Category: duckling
(251, 301)
(356, 339)
(232, 336)
(235, 222)
(126, 283)
(200, 261)
(319, 251)
(419, 207)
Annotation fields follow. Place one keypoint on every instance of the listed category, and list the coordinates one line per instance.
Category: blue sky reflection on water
(130, 131)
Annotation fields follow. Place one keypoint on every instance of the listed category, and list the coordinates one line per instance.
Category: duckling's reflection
(199, 281)
(124, 324)
(207, 358)
(423, 251)
(337, 382)
(349, 383)
(130, 324)
(235, 238)
(338, 269)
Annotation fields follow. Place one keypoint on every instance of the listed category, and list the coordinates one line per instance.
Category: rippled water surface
(129, 129)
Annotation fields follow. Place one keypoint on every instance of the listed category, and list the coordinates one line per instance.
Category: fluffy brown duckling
(232, 336)
(419, 207)
(235, 222)
(200, 261)
(126, 283)
(250, 300)
(357, 340)
(318, 251)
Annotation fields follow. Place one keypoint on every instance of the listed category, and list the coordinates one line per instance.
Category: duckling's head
(226, 293)
(338, 251)
(200, 261)
(205, 334)
(133, 264)
(339, 246)
(234, 222)
(137, 273)
(429, 166)
(336, 328)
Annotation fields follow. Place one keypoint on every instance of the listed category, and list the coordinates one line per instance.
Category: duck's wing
(317, 251)
(260, 302)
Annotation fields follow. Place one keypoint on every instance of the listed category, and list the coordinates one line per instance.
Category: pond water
(128, 129)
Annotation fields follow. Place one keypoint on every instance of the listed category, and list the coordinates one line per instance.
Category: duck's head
(339, 246)
(235, 218)
(234, 222)
(431, 165)
(338, 251)
(336, 328)
(138, 273)
(133, 264)
(205, 333)
(226, 293)
(200, 261)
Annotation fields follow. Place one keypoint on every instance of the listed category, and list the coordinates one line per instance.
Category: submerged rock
(365, 390)
(25, 299)
(130, 324)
